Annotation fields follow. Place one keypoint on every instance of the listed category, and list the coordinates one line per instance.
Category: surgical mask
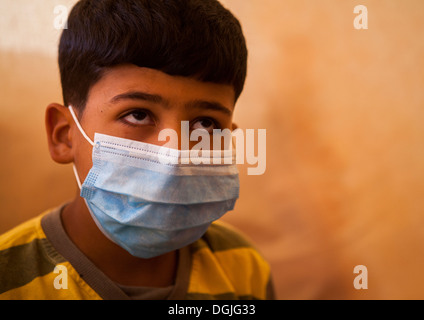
(150, 205)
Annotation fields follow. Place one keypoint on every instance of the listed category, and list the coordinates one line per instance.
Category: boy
(139, 228)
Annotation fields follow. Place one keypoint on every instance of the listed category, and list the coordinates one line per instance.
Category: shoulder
(23, 255)
(28, 265)
(230, 246)
(228, 265)
(222, 236)
(23, 234)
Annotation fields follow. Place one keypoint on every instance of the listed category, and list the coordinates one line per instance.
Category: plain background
(343, 109)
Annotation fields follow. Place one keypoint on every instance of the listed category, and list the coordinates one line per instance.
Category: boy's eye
(205, 124)
(138, 117)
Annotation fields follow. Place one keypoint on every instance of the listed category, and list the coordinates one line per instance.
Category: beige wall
(343, 109)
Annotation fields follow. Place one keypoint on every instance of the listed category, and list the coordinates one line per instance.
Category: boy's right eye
(138, 117)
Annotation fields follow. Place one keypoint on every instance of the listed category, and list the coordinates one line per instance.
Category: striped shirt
(39, 261)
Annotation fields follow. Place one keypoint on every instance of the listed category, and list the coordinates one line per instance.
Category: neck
(114, 261)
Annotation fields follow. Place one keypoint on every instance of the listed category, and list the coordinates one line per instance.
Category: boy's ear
(58, 127)
(235, 126)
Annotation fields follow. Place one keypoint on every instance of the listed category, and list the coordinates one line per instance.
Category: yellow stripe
(207, 276)
(246, 270)
(242, 271)
(22, 234)
(42, 288)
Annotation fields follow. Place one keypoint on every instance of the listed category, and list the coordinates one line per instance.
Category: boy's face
(137, 103)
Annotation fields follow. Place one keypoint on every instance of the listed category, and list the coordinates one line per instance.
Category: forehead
(172, 89)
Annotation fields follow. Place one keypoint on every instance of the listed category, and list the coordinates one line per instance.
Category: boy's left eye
(142, 117)
(205, 124)
(138, 117)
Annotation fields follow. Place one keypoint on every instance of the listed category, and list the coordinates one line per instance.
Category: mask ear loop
(71, 110)
(76, 175)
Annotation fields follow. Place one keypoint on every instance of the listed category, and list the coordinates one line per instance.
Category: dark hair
(192, 38)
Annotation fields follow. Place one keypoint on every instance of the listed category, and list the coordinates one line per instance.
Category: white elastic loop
(79, 126)
(76, 175)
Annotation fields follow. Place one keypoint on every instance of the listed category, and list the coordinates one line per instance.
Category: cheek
(147, 134)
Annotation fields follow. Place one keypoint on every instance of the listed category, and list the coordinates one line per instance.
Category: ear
(234, 126)
(58, 127)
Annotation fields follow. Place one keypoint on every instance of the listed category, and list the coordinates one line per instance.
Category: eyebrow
(209, 105)
(157, 99)
(138, 95)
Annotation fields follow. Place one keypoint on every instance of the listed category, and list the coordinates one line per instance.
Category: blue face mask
(147, 200)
